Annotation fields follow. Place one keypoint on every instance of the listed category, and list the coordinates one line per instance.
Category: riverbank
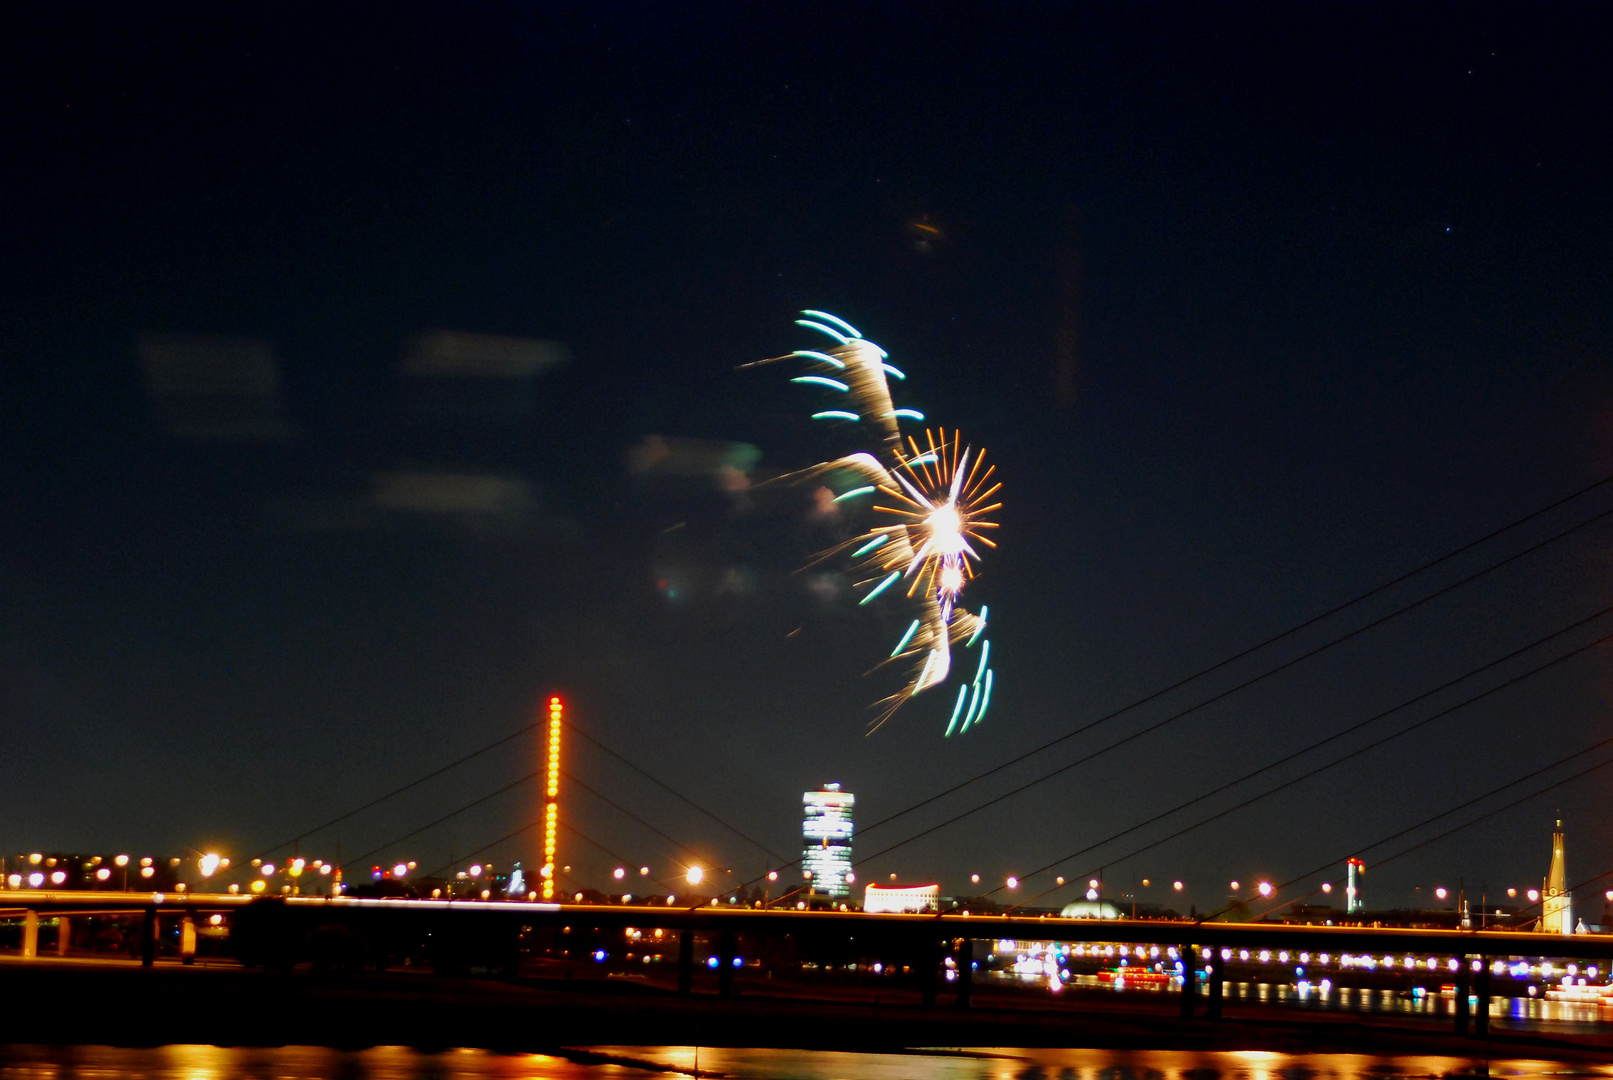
(82, 1003)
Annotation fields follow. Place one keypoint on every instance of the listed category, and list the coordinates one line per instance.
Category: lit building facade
(1352, 889)
(1556, 905)
(826, 840)
(908, 898)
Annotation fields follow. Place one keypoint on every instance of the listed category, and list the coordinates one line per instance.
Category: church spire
(1557, 911)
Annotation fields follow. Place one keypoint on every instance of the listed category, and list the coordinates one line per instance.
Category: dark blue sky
(1328, 287)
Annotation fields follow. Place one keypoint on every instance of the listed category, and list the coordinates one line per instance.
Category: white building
(826, 840)
(910, 898)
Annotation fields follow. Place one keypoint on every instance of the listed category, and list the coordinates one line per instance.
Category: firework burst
(930, 503)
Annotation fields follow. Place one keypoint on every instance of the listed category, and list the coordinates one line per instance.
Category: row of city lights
(207, 866)
(37, 878)
(1263, 888)
(211, 863)
(695, 874)
(1520, 969)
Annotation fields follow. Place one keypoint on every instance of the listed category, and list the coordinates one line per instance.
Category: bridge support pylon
(930, 953)
(148, 938)
(686, 962)
(30, 934)
(725, 963)
(187, 940)
(1190, 979)
(965, 959)
(1481, 1007)
(1464, 981)
(1213, 975)
(64, 934)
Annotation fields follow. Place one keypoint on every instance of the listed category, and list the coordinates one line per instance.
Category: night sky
(1255, 307)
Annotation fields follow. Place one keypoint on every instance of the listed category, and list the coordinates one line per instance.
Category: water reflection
(646, 1063)
(1536, 1014)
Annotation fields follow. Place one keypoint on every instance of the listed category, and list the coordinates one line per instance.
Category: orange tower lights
(551, 798)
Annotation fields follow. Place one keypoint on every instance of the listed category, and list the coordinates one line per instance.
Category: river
(646, 1063)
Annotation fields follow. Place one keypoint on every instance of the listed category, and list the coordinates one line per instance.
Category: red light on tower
(551, 798)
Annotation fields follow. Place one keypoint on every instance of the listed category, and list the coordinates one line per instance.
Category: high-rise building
(826, 840)
(1556, 906)
(1352, 890)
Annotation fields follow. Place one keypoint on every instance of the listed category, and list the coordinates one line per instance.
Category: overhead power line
(1224, 694)
(1334, 737)
(1448, 556)
(1250, 801)
(1456, 829)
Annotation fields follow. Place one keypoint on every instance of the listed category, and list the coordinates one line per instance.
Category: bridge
(278, 933)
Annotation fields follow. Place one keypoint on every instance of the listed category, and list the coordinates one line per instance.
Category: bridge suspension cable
(1115, 714)
(528, 778)
(494, 745)
(359, 860)
(492, 845)
(395, 792)
(658, 782)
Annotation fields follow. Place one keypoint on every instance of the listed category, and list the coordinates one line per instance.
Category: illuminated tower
(551, 799)
(826, 840)
(1556, 907)
(1352, 892)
